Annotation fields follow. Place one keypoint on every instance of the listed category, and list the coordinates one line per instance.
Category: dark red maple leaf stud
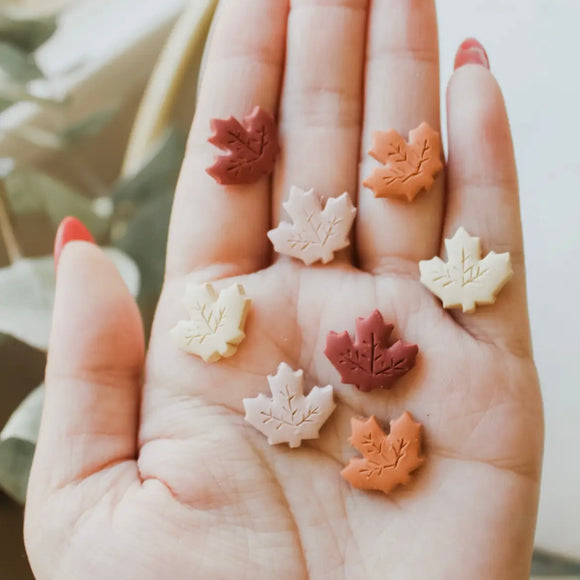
(370, 363)
(252, 147)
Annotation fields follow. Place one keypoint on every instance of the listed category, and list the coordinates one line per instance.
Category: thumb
(95, 361)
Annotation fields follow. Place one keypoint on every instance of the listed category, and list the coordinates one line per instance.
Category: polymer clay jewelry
(289, 416)
(387, 460)
(407, 168)
(252, 147)
(369, 362)
(466, 280)
(217, 320)
(316, 233)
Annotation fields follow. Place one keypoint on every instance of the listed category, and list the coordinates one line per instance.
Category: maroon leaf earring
(251, 146)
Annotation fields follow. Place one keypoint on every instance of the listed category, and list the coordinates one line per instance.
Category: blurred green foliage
(133, 217)
(19, 39)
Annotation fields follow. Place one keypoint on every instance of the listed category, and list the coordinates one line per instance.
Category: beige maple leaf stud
(290, 416)
(466, 280)
(316, 233)
(216, 325)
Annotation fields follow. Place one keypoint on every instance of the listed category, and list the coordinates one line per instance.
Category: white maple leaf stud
(466, 280)
(316, 233)
(289, 416)
(216, 325)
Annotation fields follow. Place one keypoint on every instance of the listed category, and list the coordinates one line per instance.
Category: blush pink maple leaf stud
(289, 416)
(316, 233)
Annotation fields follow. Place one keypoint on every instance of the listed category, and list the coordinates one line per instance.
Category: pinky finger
(483, 197)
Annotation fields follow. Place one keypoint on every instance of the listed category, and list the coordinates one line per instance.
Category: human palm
(186, 488)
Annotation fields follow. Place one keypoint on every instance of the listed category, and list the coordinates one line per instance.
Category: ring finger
(402, 91)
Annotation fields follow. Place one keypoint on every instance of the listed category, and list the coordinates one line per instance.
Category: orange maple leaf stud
(388, 460)
(408, 168)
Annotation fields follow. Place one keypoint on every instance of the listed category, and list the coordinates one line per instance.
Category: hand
(184, 487)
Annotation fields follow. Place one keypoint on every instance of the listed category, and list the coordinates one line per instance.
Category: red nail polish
(70, 230)
(471, 51)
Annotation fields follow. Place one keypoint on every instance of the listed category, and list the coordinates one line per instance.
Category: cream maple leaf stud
(290, 416)
(316, 233)
(466, 280)
(216, 325)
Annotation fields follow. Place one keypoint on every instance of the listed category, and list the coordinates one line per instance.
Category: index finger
(211, 223)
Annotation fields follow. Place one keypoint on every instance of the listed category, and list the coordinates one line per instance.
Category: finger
(90, 415)
(321, 103)
(211, 223)
(402, 91)
(483, 197)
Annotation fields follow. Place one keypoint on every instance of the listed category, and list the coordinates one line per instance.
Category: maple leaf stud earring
(290, 416)
(370, 363)
(466, 280)
(316, 233)
(217, 320)
(387, 460)
(408, 168)
(251, 146)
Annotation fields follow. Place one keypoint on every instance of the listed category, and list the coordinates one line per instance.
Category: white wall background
(534, 49)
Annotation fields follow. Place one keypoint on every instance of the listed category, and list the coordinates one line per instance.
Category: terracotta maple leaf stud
(369, 362)
(252, 147)
(316, 233)
(466, 280)
(289, 416)
(408, 168)
(216, 325)
(387, 460)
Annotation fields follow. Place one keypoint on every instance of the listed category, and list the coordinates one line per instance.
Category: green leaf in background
(27, 295)
(17, 442)
(11, 93)
(552, 567)
(30, 192)
(145, 241)
(159, 173)
(4, 104)
(17, 65)
(145, 238)
(15, 461)
(26, 299)
(83, 129)
(24, 423)
(91, 125)
(27, 34)
(37, 137)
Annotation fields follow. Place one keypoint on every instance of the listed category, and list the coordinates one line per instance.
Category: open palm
(184, 487)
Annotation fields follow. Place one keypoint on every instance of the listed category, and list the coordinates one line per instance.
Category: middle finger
(321, 105)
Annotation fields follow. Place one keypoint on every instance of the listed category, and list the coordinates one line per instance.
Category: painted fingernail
(471, 51)
(70, 230)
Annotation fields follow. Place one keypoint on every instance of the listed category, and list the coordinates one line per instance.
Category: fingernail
(471, 51)
(70, 230)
